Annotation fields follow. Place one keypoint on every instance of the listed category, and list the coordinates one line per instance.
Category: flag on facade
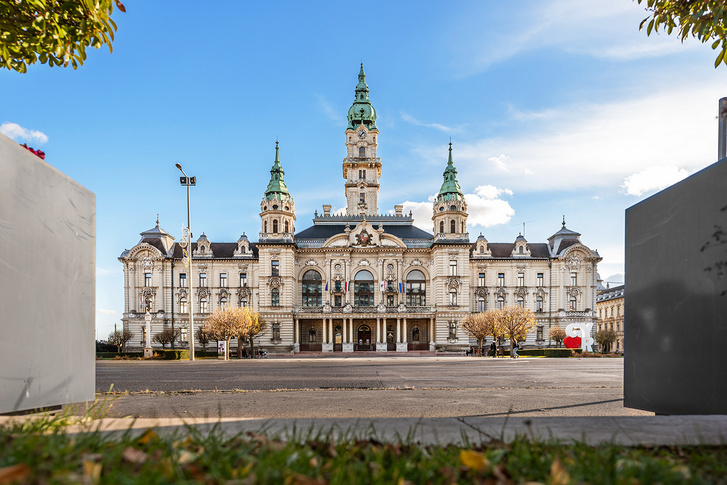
(326, 286)
(345, 286)
(381, 286)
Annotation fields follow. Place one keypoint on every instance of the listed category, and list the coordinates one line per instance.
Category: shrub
(533, 352)
(112, 355)
(558, 352)
(173, 354)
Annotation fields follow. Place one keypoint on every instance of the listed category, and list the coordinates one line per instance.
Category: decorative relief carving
(147, 262)
(223, 293)
(203, 292)
(573, 291)
(244, 293)
(521, 292)
(453, 283)
(311, 262)
(501, 292)
(573, 262)
(275, 282)
(483, 292)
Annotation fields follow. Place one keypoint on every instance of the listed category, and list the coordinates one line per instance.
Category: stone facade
(361, 280)
(610, 308)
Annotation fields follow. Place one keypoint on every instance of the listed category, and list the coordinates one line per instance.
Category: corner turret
(277, 209)
(450, 208)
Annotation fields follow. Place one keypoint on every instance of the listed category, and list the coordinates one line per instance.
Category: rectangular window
(618, 311)
(338, 287)
(275, 267)
(337, 300)
(183, 306)
(275, 297)
(452, 330)
(362, 198)
(453, 297)
(521, 302)
(182, 280)
(481, 304)
(147, 279)
(243, 279)
(204, 306)
(574, 279)
(481, 280)
(453, 267)
(539, 304)
(540, 280)
(520, 279)
(500, 279)
(573, 304)
(389, 300)
(202, 280)
(276, 331)
(243, 302)
(223, 280)
(185, 334)
(539, 334)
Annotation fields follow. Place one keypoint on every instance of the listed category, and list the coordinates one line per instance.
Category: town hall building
(363, 280)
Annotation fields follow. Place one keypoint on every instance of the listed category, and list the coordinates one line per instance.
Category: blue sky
(554, 107)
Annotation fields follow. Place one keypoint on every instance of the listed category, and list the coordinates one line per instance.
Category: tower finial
(157, 219)
(449, 162)
(277, 158)
(563, 220)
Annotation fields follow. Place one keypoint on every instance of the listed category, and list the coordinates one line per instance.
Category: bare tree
(226, 324)
(605, 339)
(514, 322)
(166, 336)
(119, 339)
(557, 334)
(202, 337)
(480, 326)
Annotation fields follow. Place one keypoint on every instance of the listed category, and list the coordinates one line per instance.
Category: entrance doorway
(337, 339)
(364, 338)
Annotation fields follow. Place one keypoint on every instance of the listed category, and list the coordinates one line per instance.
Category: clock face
(362, 133)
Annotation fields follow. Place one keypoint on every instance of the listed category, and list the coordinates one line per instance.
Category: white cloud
(436, 126)
(104, 311)
(587, 146)
(486, 208)
(18, 133)
(500, 162)
(422, 213)
(107, 271)
(653, 179)
(328, 109)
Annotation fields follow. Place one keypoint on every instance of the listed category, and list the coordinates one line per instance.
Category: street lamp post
(187, 248)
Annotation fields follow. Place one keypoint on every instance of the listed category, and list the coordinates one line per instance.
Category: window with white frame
(223, 303)
(521, 279)
(453, 267)
(204, 305)
(453, 297)
(452, 330)
(574, 279)
(539, 303)
(540, 280)
(223, 280)
(521, 302)
(500, 279)
(480, 303)
(500, 302)
(202, 280)
(481, 280)
(147, 279)
(183, 305)
(573, 303)
(182, 280)
(184, 334)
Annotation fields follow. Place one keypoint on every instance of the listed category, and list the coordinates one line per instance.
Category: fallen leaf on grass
(92, 471)
(474, 460)
(14, 473)
(147, 436)
(558, 473)
(132, 455)
(273, 445)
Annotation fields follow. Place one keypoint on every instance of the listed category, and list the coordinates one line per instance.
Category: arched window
(223, 303)
(452, 227)
(482, 250)
(539, 304)
(265, 226)
(520, 250)
(275, 226)
(453, 297)
(441, 227)
(574, 303)
(520, 302)
(275, 297)
(481, 304)
(183, 305)
(312, 335)
(415, 334)
(203, 305)
(500, 301)
(363, 289)
(287, 227)
(389, 334)
(311, 288)
(361, 152)
(416, 288)
(463, 228)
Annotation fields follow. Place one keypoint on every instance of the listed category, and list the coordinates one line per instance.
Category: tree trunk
(479, 347)
(512, 348)
(252, 347)
(227, 349)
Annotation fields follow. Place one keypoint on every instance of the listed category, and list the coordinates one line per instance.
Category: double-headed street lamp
(187, 249)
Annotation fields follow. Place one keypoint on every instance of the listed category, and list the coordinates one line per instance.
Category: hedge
(182, 354)
(558, 352)
(111, 355)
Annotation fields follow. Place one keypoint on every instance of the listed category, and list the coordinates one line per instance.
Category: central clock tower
(361, 167)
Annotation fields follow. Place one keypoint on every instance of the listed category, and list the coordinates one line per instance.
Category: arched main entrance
(363, 340)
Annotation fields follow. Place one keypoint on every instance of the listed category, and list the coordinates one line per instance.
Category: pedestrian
(514, 349)
(493, 348)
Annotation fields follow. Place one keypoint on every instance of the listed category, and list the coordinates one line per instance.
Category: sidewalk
(621, 430)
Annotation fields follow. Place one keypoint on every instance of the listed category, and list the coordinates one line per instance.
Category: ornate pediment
(453, 283)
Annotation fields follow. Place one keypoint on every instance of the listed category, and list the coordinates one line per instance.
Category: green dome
(362, 112)
(277, 186)
(450, 187)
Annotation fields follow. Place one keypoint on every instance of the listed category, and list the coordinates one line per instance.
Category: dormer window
(362, 198)
(520, 250)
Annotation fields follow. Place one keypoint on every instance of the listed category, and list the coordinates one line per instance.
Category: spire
(450, 187)
(277, 183)
(362, 112)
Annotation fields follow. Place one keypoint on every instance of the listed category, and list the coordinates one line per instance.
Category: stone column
(404, 332)
(325, 324)
(344, 328)
(562, 298)
(134, 298)
(296, 330)
(398, 330)
(378, 333)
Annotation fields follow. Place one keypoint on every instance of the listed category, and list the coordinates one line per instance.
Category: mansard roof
(220, 250)
(504, 250)
(328, 230)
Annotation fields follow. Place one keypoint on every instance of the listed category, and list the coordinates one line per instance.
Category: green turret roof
(450, 188)
(361, 112)
(277, 183)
